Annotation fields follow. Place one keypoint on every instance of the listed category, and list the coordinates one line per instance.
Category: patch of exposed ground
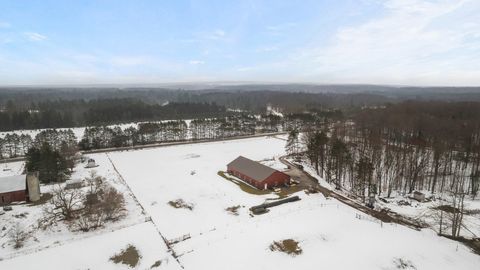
(128, 256)
(401, 263)
(473, 244)
(156, 264)
(451, 209)
(244, 186)
(446, 208)
(179, 203)
(288, 246)
(233, 210)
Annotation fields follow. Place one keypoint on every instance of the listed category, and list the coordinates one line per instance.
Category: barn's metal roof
(13, 183)
(251, 168)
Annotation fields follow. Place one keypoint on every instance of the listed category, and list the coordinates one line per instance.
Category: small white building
(74, 183)
(91, 163)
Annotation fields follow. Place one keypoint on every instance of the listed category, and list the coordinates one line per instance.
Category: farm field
(95, 252)
(206, 218)
(326, 230)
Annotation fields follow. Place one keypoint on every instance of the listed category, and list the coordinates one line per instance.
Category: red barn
(256, 174)
(13, 189)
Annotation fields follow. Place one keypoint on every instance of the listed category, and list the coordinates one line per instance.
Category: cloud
(32, 36)
(267, 49)
(5, 25)
(5, 40)
(279, 29)
(245, 69)
(196, 62)
(126, 61)
(218, 34)
(414, 41)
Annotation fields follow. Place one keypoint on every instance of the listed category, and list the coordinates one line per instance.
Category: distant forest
(72, 113)
(33, 108)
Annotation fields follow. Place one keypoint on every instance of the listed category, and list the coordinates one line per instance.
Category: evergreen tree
(50, 164)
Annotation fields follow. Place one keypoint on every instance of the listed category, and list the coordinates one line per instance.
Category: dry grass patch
(244, 186)
(129, 256)
(401, 263)
(233, 210)
(288, 246)
(181, 204)
(156, 264)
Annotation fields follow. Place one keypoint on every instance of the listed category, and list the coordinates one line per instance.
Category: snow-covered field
(189, 172)
(331, 235)
(95, 252)
(78, 131)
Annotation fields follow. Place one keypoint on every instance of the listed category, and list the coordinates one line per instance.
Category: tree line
(399, 148)
(74, 113)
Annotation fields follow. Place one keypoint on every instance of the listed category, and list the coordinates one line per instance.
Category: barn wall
(245, 178)
(276, 179)
(14, 196)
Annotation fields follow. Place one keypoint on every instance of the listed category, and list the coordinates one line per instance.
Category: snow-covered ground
(427, 212)
(27, 216)
(189, 172)
(79, 131)
(95, 252)
(331, 235)
(424, 212)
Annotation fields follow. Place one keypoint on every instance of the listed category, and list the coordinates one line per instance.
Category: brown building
(257, 174)
(19, 188)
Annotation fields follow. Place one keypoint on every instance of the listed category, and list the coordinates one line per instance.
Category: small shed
(257, 174)
(73, 183)
(91, 163)
(419, 196)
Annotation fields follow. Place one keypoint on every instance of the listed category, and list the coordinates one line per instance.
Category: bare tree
(66, 201)
(458, 208)
(113, 204)
(17, 236)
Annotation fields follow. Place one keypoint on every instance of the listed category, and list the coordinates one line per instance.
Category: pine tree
(50, 164)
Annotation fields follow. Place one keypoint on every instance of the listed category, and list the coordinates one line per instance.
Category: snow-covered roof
(13, 183)
(74, 181)
(251, 168)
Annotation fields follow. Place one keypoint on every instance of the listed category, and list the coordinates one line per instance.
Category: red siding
(275, 179)
(14, 196)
